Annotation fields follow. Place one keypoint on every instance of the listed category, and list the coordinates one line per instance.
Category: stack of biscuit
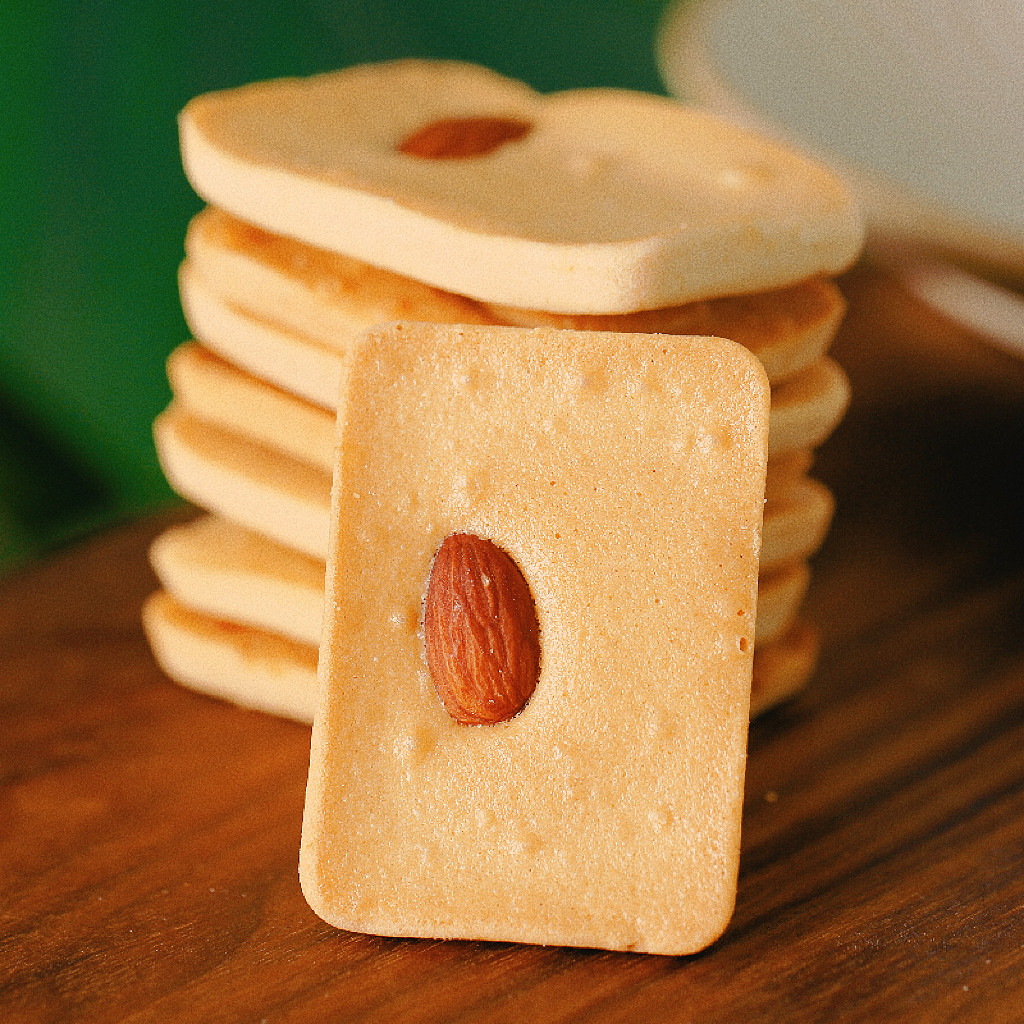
(442, 192)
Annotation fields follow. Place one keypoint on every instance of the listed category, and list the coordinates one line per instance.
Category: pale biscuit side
(613, 201)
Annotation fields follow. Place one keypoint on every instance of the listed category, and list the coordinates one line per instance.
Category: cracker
(787, 328)
(779, 595)
(607, 811)
(251, 668)
(795, 524)
(264, 671)
(214, 390)
(214, 566)
(331, 298)
(250, 484)
(291, 361)
(784, 667)
(613, 201)
(324, 295)
(807, 407)
(223, 570)
(288, 500)
(786, 471)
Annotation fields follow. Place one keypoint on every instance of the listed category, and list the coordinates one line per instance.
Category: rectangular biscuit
(623, 475)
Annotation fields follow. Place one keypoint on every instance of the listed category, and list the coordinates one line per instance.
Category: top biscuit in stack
(587, 201)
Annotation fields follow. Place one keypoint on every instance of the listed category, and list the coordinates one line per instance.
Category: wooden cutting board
(148, 836)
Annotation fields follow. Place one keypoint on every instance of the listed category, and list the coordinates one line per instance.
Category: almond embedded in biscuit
(614, 201)
(624, 475)
(480, 631)
(228, 572)
(461, 138)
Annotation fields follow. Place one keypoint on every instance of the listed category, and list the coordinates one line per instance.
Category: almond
(481, 631)
(457, 138)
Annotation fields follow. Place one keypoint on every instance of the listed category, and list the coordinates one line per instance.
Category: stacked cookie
(441, 192)
(567, 767)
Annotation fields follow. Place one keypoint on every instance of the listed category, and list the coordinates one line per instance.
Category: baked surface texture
(607, 812)
(611, 202)
(329, 299)
(257, 486)
(217, 567)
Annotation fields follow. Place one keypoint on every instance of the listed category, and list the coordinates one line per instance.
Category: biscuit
(217, 392)
(251, 668)
(783, 667)
(805, 407)
(216, 567)
(258, 669)
(227, 572)
(290, 361)
(785, 471)
(324, 295)
(331, 298)
(633, 515)
(795, 523)
(780, 593)
(254, 486)
(606, 202)
(288, 500)
(787, 328)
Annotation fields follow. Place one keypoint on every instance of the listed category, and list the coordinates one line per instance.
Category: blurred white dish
(918, 103)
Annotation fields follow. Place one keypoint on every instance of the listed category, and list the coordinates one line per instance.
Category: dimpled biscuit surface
(624, 475)
(611, 201)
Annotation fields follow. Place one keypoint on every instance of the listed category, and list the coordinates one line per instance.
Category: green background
(94, 204)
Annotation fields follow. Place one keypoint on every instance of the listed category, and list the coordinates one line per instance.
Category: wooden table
(148, 836)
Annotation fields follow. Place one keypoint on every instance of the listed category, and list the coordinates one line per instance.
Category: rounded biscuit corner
(717, 925)
(310, 865)
(751, 373)
(694, 939)
(309, 876)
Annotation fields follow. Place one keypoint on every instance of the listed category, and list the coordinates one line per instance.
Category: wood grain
(148, 836)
